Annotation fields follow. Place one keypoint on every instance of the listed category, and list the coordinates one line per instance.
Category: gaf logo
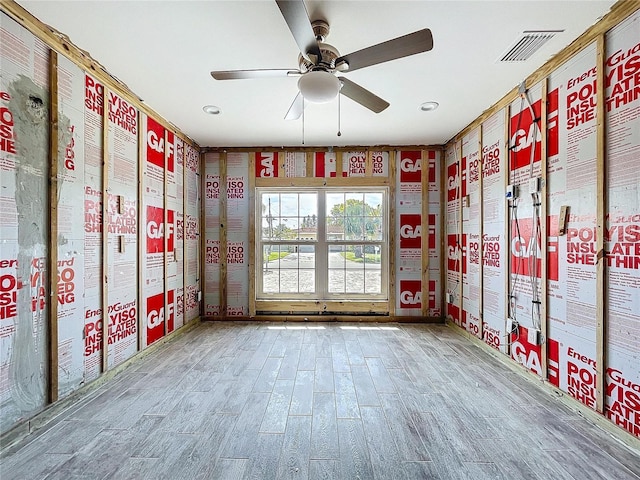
(410, 294)
(266, 164)
(411, 167)
(525, 353)
(156, 145)
(410, 231)
(156, 316)
(526, 249)
(453, 182)
(453, 253)
(155, 230)
(525, 133)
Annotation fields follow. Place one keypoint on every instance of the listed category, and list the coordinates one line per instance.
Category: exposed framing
(52, 302)
(252, 231)
(322, 294)
(368, 163)
(424, 237)
(391, 274)
(543, 198)
(165, 237)
(506, 152)
(459, 228)
(601, 210)
(339, 171)
(140, 224)
(317, 182)
(202, 240)
(443, 234)
(377, 308)
(105, 229)
(480, 234)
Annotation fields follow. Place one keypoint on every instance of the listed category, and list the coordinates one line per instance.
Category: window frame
(322, 245)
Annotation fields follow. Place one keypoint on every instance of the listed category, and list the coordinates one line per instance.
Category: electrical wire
(514, 217)
(536, 234)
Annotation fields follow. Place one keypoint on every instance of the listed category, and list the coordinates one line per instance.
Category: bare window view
(322, 243)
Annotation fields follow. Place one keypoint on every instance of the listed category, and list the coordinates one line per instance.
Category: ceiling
(165, 50)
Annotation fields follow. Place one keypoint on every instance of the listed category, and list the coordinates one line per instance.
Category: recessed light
(211, 110)
(429, 106)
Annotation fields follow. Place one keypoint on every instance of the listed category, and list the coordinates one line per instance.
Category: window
(322, 244)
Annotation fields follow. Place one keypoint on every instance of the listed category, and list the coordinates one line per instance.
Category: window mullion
(322, 262)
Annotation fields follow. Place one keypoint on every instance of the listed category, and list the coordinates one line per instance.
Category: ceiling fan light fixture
(211, 110)
(319, 86)
(429, 106)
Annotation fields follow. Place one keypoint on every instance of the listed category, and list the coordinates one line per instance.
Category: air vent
(528, 44)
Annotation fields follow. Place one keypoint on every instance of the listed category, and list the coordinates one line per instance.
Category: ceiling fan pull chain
(302, 120)
(339, 132)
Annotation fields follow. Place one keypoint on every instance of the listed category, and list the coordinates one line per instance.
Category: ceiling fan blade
(417, 42)
(363, 96)
(241, 74)
(296, 108)
(295, 14)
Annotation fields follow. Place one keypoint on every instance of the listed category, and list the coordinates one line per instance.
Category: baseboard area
(52, 413)
(592, 416)
(285, 317)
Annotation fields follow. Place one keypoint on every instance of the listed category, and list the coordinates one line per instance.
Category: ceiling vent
(528, 44)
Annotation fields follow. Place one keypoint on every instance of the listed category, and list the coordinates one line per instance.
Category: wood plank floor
(320, 401)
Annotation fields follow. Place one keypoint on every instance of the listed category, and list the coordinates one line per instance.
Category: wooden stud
(363, 307)
(424, 277)
(506, 260)
(443, 234)
(202, 240)
(544, 283)
(323, 182)
(601, 210)
(165, 237)
(223, 234)
(392, 233)
(340, 317)
(280, 164)
(368, 163)
(297, 148)
(252, 233)
(105, 229)
(338, 166)
(52, 299)
(141, 237)
(459, 228)
(309, 166)
(480, 235)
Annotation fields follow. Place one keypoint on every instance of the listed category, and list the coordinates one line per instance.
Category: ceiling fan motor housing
(327, 63)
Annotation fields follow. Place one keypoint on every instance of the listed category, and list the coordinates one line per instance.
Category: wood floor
(320, 401)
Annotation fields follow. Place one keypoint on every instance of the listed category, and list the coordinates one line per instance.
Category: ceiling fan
(318, 62)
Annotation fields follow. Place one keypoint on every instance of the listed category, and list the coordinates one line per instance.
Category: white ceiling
(164, 51)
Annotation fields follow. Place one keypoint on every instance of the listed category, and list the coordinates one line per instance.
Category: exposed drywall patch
(30, 107)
